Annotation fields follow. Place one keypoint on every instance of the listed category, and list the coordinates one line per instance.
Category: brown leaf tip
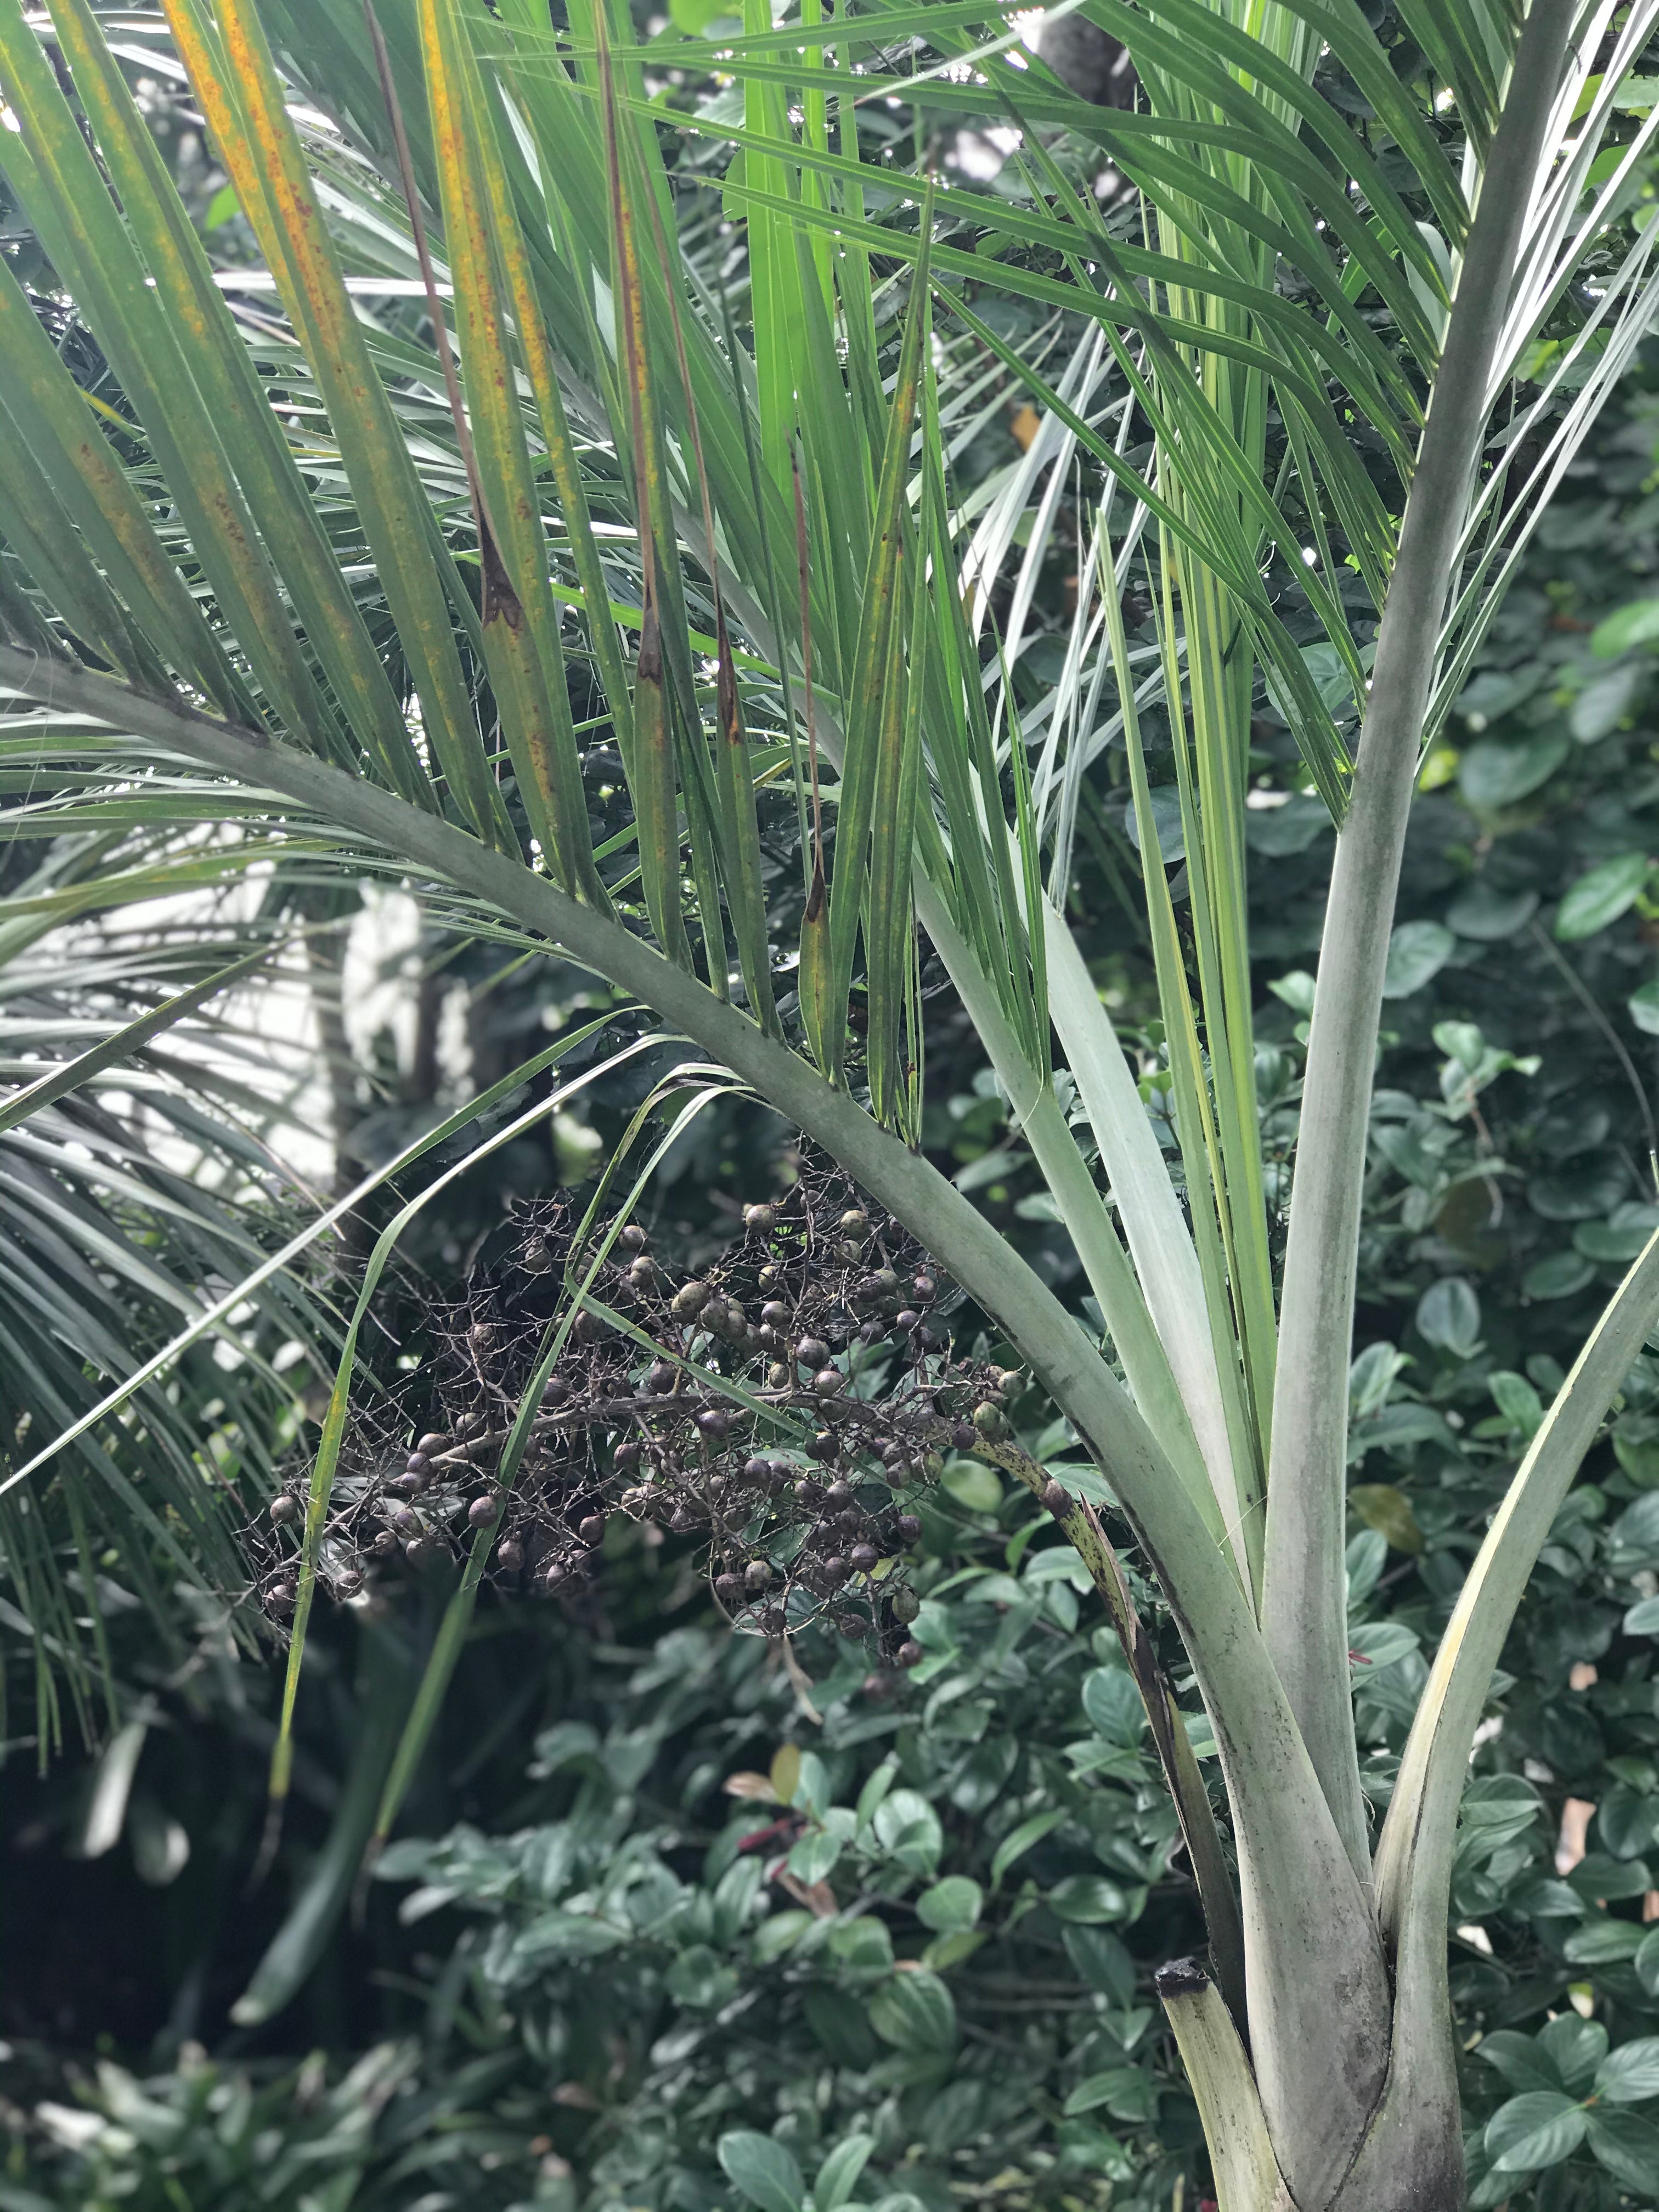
(1180, 1977)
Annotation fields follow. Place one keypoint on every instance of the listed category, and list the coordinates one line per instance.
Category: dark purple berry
(482, 1512)
(592, 1530)
(964, 1435)
(863, 1558)
(660, 1380)
(555, 1391)
(626, 1456)
(509, 1557)
(433, 1443)
(910, 1655)
(923, 1289)
(775, 1314)
(406, 1522)
(728, 1588)
(632, 1239)
(909, 1529)
(812, 1352)
(284, 1509)
(907, 1321)
(838, 1493)
(714, 1425)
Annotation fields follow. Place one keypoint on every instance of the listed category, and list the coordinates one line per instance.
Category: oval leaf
(950, 1905)
(1601, 895)
(1629, 2075)
(1628, 2147)
(1538, 2129)
(1417, 951)
(762, 2170)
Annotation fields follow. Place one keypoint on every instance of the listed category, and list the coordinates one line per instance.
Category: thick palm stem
(1304, 1609)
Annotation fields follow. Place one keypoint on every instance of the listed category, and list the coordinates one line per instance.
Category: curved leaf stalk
(1165, 1260)
(1414, 1854)
(1303, 1612)
(1320, 2078)
(1081, 1524)
(1246, 2175)
(1111, 1277)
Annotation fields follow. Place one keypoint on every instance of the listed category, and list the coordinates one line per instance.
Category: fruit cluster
(783, 1410)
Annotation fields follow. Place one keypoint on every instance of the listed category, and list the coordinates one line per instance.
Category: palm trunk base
(1411, 2158)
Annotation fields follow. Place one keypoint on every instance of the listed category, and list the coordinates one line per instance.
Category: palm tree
(342, 584)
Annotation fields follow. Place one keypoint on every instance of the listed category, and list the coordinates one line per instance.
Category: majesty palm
(317, 570)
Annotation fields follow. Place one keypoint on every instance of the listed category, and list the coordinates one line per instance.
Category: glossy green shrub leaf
(1636, 624)
(1629, 2075)
(1534, 2130)
(1574, 2046)
(838, 2177)
(1601, 896)
(1114, 1705)
(915, 2012)
(762, 2170)
(1628, 2147)
(950, 1905)
(1491, 776)
(1449, 1315)
(1418, 951)
(1089, 1898)
(1521, 2061)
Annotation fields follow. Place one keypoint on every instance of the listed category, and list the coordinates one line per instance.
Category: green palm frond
(134, 1177)
(371, 565)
